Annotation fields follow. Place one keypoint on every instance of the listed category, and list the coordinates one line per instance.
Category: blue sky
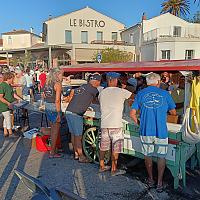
(23, 14)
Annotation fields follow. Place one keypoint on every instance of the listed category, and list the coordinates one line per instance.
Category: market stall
(180, 150)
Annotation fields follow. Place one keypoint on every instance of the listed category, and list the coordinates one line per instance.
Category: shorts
(112, 137)
(51, 113)
(75, 123)
(152, 146)
(7, 122)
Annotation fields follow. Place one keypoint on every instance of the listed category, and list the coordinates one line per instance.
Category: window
(84, 37)
(165, 54)
(99, 35)
(177, 31)
(131, 39)
(68, 36)
(189, 54)
(114, 36)
(9, 40)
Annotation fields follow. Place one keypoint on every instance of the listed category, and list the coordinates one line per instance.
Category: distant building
(1, 44)
(2, 57)
(165, 37)
(19, 39)
(86, 31)
(18, 43)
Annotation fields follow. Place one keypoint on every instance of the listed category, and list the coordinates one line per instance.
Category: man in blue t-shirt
(153, 103)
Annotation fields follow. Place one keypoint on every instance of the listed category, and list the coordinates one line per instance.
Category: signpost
(99, 57)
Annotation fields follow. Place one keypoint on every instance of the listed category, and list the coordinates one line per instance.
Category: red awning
(172, 65)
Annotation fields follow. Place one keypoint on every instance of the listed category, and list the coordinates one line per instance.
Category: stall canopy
(172, 65)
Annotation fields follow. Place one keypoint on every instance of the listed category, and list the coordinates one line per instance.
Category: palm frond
(176, 7)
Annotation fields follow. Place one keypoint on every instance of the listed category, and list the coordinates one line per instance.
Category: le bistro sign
(87, 23)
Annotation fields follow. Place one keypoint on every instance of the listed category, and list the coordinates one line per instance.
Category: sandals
(56, 155)
(106, 168)
(159, 188)
(84, 160)
(118, 172)
(76, 157)
(150, 183)
(60, 151)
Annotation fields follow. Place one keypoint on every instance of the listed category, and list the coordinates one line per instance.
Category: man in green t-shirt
(7, 98)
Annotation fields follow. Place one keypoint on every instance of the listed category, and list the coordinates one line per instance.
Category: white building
(86, 32)
(20, 39)
(165, 37)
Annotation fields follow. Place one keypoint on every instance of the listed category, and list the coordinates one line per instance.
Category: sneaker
(118, 172)
(56, 155)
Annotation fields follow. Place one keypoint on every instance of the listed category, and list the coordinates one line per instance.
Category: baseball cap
(112, 75)
(95, 77)
(132, 81)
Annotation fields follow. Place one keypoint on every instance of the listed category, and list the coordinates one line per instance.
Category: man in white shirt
(29, 82)
(111, 104)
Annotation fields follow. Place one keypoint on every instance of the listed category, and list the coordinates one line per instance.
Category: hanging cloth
(195, 102)
(188, 135)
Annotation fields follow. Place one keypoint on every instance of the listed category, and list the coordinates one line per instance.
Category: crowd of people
(17, 85)
(150, 98)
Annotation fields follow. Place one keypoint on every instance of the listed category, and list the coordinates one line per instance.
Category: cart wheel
(91, 139)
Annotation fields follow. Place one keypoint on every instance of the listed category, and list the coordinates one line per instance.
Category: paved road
(82, 179)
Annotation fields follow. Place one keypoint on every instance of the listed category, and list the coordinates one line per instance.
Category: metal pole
(25, 59)
(50, 57)
(7, 58)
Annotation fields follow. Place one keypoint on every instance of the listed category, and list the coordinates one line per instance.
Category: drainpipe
(7, 58)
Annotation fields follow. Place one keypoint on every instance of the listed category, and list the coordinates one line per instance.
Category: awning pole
(50, 57)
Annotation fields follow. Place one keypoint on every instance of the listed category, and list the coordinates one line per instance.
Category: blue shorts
(51, 112)
(75, 123)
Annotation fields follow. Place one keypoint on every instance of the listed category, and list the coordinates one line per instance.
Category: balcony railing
(169, 32)
(115, 42)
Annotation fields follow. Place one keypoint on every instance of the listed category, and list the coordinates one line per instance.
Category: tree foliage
(176, 7)
(22, 60)
(114, 55)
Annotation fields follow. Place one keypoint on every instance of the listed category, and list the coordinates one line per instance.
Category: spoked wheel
(91, 140)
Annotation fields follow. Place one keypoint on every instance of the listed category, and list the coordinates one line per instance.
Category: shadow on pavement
(18, 159)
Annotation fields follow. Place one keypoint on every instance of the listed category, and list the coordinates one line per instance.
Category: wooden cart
(178, 154)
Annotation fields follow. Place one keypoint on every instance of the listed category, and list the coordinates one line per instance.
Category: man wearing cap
(81, 100)
(111, 104)
(153, 103)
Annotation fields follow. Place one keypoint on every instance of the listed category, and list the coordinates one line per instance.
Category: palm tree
(176, 7)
